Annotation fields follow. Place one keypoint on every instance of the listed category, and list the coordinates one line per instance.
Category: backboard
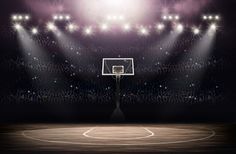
(117, 66)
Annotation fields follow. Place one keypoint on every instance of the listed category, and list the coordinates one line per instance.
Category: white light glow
(164, 17)
(88, 31)
(176, 17)
(213, 26)
(61, 17)
(17, 26)
(217, 17)
(180, 28)
(196, 31)
(71, 27)
(27, 17)
(143, 31)
(67, 17)
(104, 27)
(160, 26)
(127, 27)
(55, 17)
(51, 26)
(20, 17)
(34, 31)
(14, 17)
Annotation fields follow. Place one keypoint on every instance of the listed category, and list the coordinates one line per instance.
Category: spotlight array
(107, 26)
(211, 17)
(61, 17)
(20, 17)
(115, 18)
(170, 17)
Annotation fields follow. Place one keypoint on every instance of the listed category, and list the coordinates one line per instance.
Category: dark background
(222, 111)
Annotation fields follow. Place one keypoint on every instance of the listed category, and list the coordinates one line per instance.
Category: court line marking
(109, 138)
(213, 133)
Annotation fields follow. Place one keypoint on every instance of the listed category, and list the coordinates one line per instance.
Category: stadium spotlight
(180, 28)
(143, 31)
(210, 17)
(170, 17)
(196, 31)
(205, 17)
(88, 31)
(160, 27)
(51, 26)
(176, 17)
(55, 17)
(17, 26)
(217, 17)
(67, 17)
(164, 17)
(71, 27)
(34, 31)
(20, 17)
(104, 27)
(27, 17)
(14, 17)
(126, 27)
(61, 17)
(213, 26)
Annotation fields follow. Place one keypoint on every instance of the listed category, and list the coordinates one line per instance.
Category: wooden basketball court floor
(117, 138)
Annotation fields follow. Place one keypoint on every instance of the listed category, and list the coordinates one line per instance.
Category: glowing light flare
(180, 28)
(177, 17)
(17, 26)
(67, 17)
(204, 17)
(104, 27)
(196, 31)
(164, 17)
(27, 17)
(20, 17)
(213, 27)
(126, 27)
(14, 17)
(71, 27)
(34, 31)
(51, 26)
(88, 31)
(160, 27)
(143, 31)
(55, 17)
